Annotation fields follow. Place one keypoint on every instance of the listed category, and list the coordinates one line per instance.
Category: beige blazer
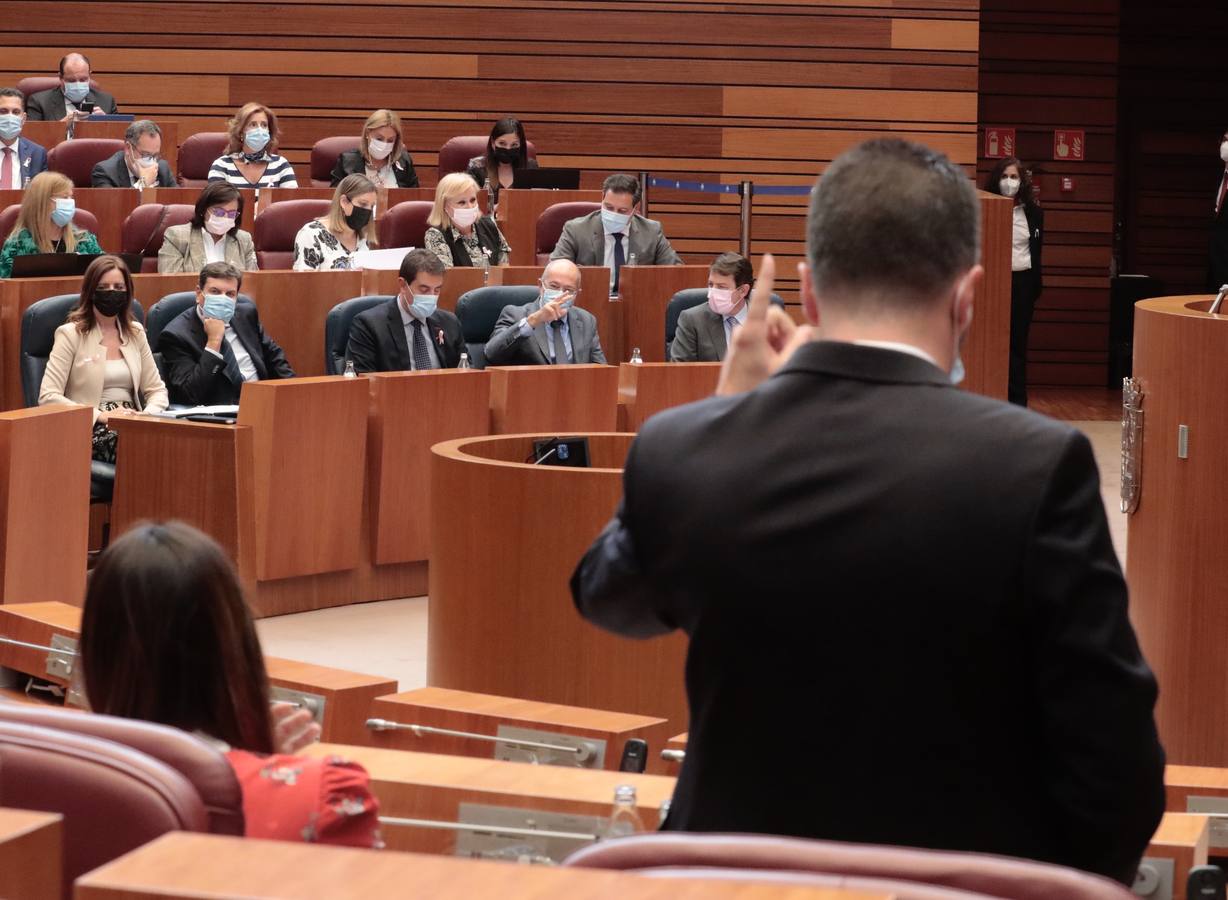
(77, 367)
(183, 250)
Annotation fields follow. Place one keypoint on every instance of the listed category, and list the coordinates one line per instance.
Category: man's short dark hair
(221, 270)
(64, 59)
(736, 266)
(138, 129)
(13, 92)
(892, 219)
(622, 184)
(421, 260)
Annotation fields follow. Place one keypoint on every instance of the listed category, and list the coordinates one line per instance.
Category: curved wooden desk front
(1177, 559)
(505, 537)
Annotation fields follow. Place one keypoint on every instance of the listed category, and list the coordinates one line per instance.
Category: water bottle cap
(624, 793)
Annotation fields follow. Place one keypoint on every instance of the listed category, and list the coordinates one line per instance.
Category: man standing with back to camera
(910, 587)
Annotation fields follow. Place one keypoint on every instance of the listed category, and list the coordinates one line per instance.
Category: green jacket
(22, 244)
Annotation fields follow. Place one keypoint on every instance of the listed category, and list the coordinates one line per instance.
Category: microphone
(582, 753)
(1218, 301)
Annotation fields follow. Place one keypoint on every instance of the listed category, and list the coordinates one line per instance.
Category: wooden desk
(386, 197)
(518, 214)
(44, 503)
(986, 350)
(189, 196)
(484, 713)
(1181, 841)
(594, 297)
(505, 538)
(553, 399)
(31, 853)
(644, 292)
(1176, 565)
(411, 412)
(184, 866)
(48, 134)
(645, 390)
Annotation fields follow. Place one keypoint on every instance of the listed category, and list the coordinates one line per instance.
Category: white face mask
(1223, 151)
(218, 225)
(1009, 186)
(379, 149)
(465, 216)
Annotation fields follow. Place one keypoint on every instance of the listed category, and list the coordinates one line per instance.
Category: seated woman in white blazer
(101, 357)
(213, 235)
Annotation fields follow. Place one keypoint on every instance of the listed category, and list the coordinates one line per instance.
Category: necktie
(422, 353)
(730, 324)
(1219, 202)
(6, 170)
(560, 349)
(619, 259)
(232, 364)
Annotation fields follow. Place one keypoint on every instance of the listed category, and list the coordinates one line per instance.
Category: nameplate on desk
(221, 414)
(484, 840)
(1217, 807)
(313, 703)
(590, 752)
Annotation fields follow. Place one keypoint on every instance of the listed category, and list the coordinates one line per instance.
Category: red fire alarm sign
(1069, 145)
(999, 142)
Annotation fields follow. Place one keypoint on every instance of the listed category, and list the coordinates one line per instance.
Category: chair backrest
(550, 225)
(276, 227)
(977, 873)
(404, 225)
(38, 325)
(82, 218)
(196, 155)
(77, 159)
(479, 309)
(145, 227)
(337, 328)
(200, 763)
(162, 312)
(32, 84)
(324, 155)
(455, 154)
(113, 798)
(684, 300)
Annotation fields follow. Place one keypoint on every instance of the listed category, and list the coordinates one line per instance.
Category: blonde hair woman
(459, 234)
(331, 241)
(381, 155)
(44, 224)
(251, 159)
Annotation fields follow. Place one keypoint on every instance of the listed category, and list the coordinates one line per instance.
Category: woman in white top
(251, 158)
(331, 241)
(1010, 178)
(213, 235)
(381, 154)
(101, 357)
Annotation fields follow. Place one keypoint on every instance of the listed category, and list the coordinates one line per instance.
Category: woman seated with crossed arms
(101, 357)
(213, 235)
(459, 234)
(166, 637)
(44, 224)
(331, 241)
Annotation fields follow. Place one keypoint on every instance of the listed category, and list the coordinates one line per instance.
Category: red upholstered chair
(113, 798)
(77, 159)
(196, 155)
(550, 225)
(324, 155)
(83, 219)
(145, 226)
(908, 873)
(36, 83)
(404, 225)
(454, 156)
(276, 227)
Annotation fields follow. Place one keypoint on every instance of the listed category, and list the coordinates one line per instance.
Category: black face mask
(110, 303)
(358, 219)
(506, 156)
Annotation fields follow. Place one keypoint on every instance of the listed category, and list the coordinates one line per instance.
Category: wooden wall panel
(1055, 67)
(600, 85)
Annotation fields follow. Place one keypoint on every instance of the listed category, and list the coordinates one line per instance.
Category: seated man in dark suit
(915, 583)
(20, 159)
(410, 332)
(703, 331)
(551, 330)
(65, 102)
(616, 234)
(139, 164)
(211, 348)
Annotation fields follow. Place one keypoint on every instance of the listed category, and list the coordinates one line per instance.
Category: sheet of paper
(387, 258)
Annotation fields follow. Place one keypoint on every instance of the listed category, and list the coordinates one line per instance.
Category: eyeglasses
(224, 213)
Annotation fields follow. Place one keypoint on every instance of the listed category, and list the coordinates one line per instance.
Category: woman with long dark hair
(506, 151)
(1010, 178)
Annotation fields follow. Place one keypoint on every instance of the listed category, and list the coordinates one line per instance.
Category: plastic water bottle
(636, 359)
(464, 362)
(349, 369)
(624, 818)
(631, 260)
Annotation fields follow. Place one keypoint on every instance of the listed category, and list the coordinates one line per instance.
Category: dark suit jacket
(699, 337)
(351, 162)
(508, 347)
(197, 378)
(31, 157)
(113, 172)
(912, 588)
(1036, 240)
(583, 242)
(378, 342)
(49, 105)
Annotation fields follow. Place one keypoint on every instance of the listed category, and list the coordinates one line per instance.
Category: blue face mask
(65, 209)
(256, 139)
(424, 304)
(957, 367)
(549, 296)
(75, 91)
(614, 223)
(10, 126)
(218, 306)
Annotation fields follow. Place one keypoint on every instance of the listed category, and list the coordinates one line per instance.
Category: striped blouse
(277, 174)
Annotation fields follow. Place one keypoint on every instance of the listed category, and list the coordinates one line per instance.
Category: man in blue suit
(20, 159)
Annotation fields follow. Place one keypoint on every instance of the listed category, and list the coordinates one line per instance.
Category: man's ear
(810, 301)
(402, 285)
(965, 296)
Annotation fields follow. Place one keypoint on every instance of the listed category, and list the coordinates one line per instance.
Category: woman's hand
(293, 728)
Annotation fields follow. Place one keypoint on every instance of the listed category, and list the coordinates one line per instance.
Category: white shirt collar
(408, 316)
(899, 347)
(12, 145)
(740, 315)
